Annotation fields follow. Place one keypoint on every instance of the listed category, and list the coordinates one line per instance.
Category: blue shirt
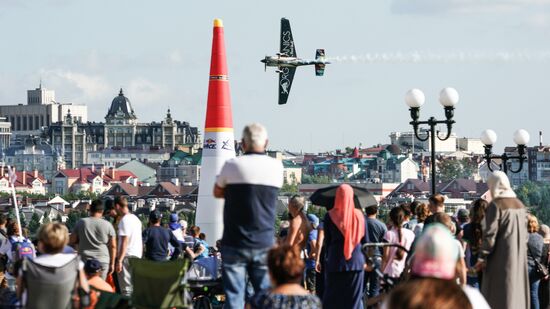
(334, 242)
(205, 253)
(310, 263)
(376, 230)
(156, 239)
(251, 184)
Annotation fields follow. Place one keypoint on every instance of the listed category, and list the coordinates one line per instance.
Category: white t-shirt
(178, 233)
(130, 226)
(394, 268)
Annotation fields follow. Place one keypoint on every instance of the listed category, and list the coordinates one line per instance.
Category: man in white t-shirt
(130, 244)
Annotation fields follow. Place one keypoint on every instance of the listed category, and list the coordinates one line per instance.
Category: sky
(496, 53)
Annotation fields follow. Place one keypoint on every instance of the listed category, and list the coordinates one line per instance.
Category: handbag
(540, 270)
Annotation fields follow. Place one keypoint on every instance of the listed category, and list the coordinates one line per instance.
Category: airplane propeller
(265, 63)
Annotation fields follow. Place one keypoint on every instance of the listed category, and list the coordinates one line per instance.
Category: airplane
(286, 61)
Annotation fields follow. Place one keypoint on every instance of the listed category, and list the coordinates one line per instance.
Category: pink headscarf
(349, 221)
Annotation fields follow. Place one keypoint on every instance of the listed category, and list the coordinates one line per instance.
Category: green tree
(22, 219)
(72, 219)
(46, 219)
(312, 179)
(288, 188)
(450, 169)
(536, 196)
(34, 224)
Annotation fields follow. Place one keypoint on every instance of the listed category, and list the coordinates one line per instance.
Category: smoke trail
(446, 57)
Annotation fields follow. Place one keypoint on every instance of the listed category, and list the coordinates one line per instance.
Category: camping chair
(50, 287)
(159, 284)
(108, 300)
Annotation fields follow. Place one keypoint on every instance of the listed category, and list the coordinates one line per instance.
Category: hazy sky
(496, 53)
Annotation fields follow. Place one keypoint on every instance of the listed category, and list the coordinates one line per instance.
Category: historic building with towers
(121, 130)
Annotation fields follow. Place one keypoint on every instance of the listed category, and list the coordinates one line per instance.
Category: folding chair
(159, 285)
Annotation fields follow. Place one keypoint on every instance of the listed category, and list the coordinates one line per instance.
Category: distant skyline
(495, 53)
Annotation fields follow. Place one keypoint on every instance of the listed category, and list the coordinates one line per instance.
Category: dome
(394, 149)
(121, 107)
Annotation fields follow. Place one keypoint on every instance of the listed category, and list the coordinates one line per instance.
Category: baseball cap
(436, 253)
(155, 215)
(92, 266)
(313, 219)
(174, 217)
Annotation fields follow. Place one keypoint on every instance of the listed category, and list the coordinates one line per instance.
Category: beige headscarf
(500, 186)
(544, 231)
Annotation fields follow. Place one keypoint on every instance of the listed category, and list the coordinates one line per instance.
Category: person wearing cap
(157, 238)
(311, 249)
(187, 239)
(95, 238)
(175, 227)
(93, 270)
(433, 272)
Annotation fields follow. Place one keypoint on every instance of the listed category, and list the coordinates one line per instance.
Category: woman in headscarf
(503, 252)
(433, 275)
(544, 288)
(345, 231)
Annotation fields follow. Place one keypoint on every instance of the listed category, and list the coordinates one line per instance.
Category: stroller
(205, 283)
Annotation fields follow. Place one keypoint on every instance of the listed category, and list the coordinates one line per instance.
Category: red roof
(87, 175)
(28, 176)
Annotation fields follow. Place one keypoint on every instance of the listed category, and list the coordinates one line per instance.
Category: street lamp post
(489, 138)
(448, 97)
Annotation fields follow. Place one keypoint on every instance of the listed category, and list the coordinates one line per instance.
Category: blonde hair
(53, 237)
(532, 224)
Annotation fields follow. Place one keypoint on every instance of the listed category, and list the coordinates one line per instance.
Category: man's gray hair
(255, 135)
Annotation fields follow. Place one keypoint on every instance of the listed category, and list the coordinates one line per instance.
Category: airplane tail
(320, 67)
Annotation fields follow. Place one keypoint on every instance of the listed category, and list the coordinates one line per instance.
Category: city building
(114, 156)
(29, 153)
(145, 171)
(407, 140)
(40, 111)
(292, 172)
(470, 145)
(90, 179)
(538, 165)
(121, 129)
(5, 133)
(183, 166)
(26, 182)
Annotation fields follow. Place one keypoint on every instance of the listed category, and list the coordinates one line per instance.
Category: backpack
(20, 250)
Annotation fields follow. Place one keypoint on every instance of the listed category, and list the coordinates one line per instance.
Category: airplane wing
(285, 82)
(287, 42)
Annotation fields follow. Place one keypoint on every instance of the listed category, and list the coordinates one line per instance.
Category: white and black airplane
(286, 61)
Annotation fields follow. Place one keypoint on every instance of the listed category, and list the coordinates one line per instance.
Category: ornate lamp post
(521, 138)
(448, 97)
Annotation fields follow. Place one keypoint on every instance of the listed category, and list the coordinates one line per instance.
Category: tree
(46, 219)
(72, 219)
(312, 179)
(289, 188)
(34, 224)
(22, 219)
(450, 169)
(536, 196)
